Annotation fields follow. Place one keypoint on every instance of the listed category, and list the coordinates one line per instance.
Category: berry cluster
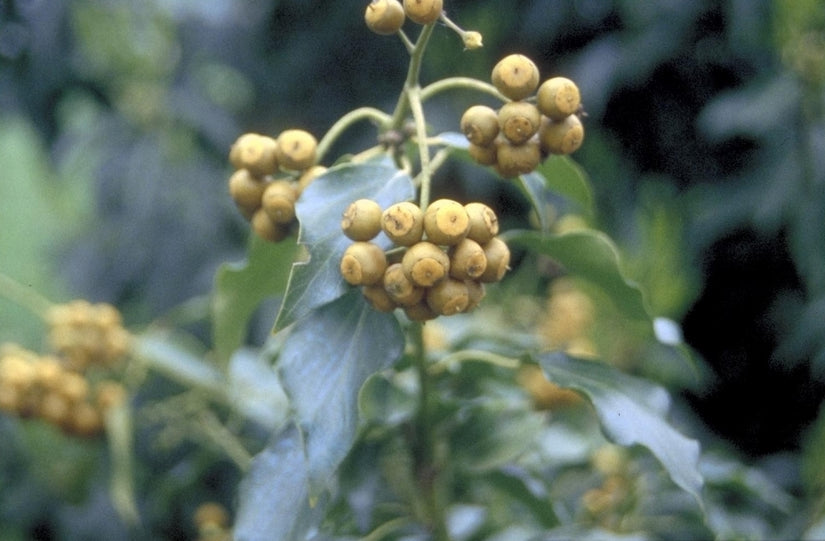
(266, 201)
(386, 17)
(86, 334)
(447, 253)
(514, 139)
(44, 387)
(212, 521)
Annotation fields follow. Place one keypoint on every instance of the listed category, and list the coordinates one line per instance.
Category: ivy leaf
(590, 255)
(318, 281)
(631, 411)
(240, 288)
(274, 502)
(324, 364)
(557, 176)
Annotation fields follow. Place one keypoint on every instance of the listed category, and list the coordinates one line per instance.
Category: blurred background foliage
(705, 146)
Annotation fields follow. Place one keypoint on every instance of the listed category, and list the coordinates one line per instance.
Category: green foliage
(348, 423)
(592, 256)
(316, 282)
(631, 411)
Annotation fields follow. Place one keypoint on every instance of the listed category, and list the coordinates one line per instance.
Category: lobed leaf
(240, 288)
(557, 176)
(590, 255)
(317, 281)
(324, 364)
(274, 502)
(632, 412)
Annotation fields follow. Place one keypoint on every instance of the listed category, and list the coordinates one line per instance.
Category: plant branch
(343, 123)
(24, 296)
(461, 83)
(427, 471)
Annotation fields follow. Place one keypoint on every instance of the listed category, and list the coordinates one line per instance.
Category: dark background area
(708, 110)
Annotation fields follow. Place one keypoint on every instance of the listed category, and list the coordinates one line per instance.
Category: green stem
(413, 73)
(461, 83)
(24, 296)
(425, 177)
(450, 361)
(427, 469)
(343, 123)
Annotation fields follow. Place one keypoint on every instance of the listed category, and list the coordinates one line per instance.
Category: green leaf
(388, 399)
(274, 502)
(590, 255)
(324, 363)
(241, 287)
(256, 391)
(632, 411)
(318, 281)
(558, 176)
(493, 433)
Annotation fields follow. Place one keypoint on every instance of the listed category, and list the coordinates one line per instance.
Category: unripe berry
(384, 17)
(256, 153)
(498, 260)
(246, 191)
(475, 293)
(448, 297)
(446, 222)
(363, 263)
(515, 76)
(84, 420)
(403, 223)
(483, 222)
(519, 121)
(278, 201)
(400, 288)
(264, 227)
(211, 513)
(423, 11)
(378, 298)
(54, 408)
(514, 160)
(483, 155)
(296, 149)
(480, 124)
(467, 260)
(558, 97)
(420, 312)
(425, 264)
(362, 220)
(561, 137)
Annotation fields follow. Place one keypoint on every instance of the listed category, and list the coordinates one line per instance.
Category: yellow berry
(558, 97)
(515, 76)
(400, 288)
(425, 264)
(296, 149)
(255, 153)
(514, 160)
(363, 263)
(266, 228)
(446, 222)
(498, 260)
(467, 260)
(278, 201)
(403, 223)
(448, 297)
(519, 121)
(362, 220)
(483, 222)
(423, 11)
(384, 17)
(480, 125)
(561, 137)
